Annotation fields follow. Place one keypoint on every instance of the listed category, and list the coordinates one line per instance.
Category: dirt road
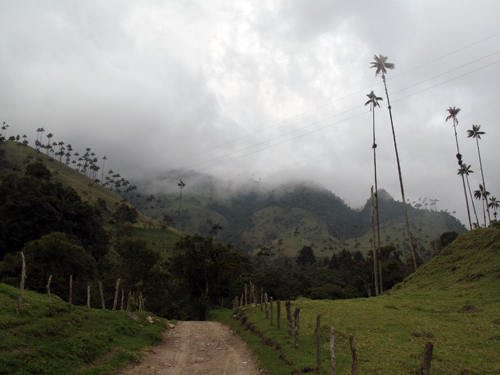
(193, 348)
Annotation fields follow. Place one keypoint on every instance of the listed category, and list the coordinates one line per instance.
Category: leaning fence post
(354, 366)
(21, 285)
(116, 294)
(102, 296)
(297, 326)
(48, 293)
(332, 351)
(70, 289)
(289, 317)
(318, 342)
(425, 367)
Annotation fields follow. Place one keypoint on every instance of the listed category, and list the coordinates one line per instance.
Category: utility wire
(327, 126)
(339, 99)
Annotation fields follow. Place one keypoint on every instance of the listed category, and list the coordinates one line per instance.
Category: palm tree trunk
(376, 190)
(460, 163)
(482, 177)
(374, 246)
(400, 177)
(472, 200)
(466, 202)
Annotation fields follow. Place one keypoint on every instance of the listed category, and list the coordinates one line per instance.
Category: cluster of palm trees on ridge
(381, 65)
(465, 170)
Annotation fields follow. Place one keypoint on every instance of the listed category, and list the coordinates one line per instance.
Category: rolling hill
(285, 218)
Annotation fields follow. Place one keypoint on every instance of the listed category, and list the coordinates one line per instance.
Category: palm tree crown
(475, 132)
(381, 64)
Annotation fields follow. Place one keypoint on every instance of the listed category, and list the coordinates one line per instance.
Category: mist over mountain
(283, 217)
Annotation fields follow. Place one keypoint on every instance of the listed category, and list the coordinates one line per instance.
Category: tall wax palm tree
(296, 234)
(482, 194)
(476, 133)
(452, 114)
(494, 205)
(373, 102)
(381, 65)
(103, 163)
(181, 186)
(465, 170)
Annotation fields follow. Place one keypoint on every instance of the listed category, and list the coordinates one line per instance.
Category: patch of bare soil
(194, 348)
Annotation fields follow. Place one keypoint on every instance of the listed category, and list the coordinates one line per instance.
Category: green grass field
(391, 330)
(70, 339)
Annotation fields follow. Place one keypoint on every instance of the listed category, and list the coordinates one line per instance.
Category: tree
(215, 230)
(207, 268)
(494, 205)
(306, 256)
(181, 186)
(482, 194)
(373, 101)
(381, 65)
(296, 234)
(55, 254)
(466, 170)
(476, 133)
(452, 114)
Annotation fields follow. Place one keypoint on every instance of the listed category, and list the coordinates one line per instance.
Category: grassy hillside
(70, 339)
(391, 330)
(16, 158)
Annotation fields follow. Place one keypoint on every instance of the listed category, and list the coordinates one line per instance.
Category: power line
(339, 99)
(327, 126)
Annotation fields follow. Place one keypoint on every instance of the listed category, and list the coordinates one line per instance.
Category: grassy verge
(391, 330)
(69, 339)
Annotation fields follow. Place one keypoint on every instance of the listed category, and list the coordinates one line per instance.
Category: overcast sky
(268, 90)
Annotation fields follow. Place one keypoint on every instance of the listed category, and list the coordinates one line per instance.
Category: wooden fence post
(123, 297)
(318, 342)
(261, 297)
(70, 289)
(267, 306)
(332, 351)
(289, 317)
(297, 326)
(252, 293)
(102, 296)
(271, 303)
(141, 302)
(425, 367)
(48, 293)
(116, 294)
(278, 314)
(246, 294)
(21, 285)
(354, 366)
(88, 296)
(242, 301)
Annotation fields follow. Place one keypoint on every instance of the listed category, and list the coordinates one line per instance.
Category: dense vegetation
(99, 240)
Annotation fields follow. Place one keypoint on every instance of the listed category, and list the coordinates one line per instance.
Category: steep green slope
(69, 339)
(15, 158)
(451, 301)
